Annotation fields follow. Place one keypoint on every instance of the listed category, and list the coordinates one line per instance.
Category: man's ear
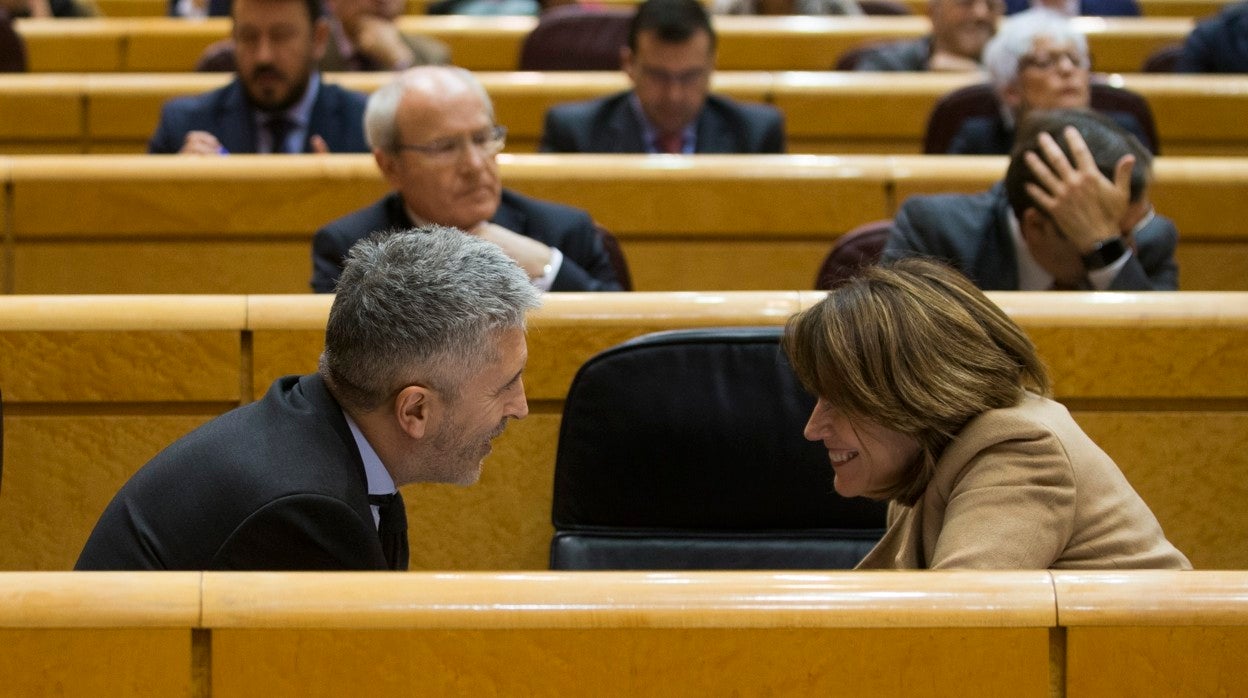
(320, 38)
(388, 163)
(1012, 96)
(1032, 224)
(415, 411)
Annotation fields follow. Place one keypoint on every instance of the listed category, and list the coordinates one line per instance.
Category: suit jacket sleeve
(1152, 267)
(303, 532)
(328, 253)
(168, 137)
(906, 238)
(556, 137)
(1013, 507)
(586, 264)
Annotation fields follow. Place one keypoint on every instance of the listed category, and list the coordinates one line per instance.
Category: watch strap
(1105, 253)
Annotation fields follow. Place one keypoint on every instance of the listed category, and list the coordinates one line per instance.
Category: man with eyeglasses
(277, 102)
(1037, 60)
(434, 138)
(960, 29)
(669, 59)
(1072, 213)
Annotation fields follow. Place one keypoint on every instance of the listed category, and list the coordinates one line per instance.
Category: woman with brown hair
(931, 397)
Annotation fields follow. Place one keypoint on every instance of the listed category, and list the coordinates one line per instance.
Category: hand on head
(1084, 204)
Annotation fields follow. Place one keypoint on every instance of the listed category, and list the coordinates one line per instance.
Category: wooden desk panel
(1154, 633)
(156, 44)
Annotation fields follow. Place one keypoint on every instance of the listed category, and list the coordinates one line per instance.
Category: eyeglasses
(1047, 61)
(487, 141)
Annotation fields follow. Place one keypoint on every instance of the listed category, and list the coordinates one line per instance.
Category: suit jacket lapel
(235, 126)
(714, 133)
(623, 132)
(996, 264)
(509, 216)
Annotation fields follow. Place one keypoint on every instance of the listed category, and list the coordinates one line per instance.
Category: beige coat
(1025, 488)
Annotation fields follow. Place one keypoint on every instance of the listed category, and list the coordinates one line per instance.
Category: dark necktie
(279, 128)
(672, 143)
(392, 528)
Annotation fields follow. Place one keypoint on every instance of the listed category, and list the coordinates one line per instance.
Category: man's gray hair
(419, 307)
(1017, 33)
(380, 114)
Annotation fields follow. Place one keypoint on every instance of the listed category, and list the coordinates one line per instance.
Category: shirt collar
(379, 480)
(1031, 276)
(299, 113)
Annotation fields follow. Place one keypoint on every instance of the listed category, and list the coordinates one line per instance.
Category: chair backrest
(574, 37)
(684, 450)
(619, 263)
(980, 99)
(1162, 60)
(1, 439)
(852, 251)
(217, 57)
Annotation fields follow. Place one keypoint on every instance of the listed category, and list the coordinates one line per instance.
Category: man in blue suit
(1072, 213)
(434, 138)
(276, 102)
(669, 59)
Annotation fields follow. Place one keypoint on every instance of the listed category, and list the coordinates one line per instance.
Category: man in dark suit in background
(424, 351)
(277, 102)
(1072, 213)
(434, 137)
(669, 59)
(960, 29)
(1218, 44)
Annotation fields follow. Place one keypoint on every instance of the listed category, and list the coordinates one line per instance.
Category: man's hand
(1084, 204)
(531, 255)
(201, 143)
(380, 40)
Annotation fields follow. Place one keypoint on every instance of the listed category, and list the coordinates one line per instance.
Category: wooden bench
(244, 224)
(94, 386)
(156, 44)
(1149, 8)
(90, 113)
(1033, 633)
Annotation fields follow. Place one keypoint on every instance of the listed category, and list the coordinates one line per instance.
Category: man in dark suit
(1085, 8)
(1219, 44)
(669, 59)
(1072, 213)
(277, 102)
(434, 138)
(960, 28)
(424, 350)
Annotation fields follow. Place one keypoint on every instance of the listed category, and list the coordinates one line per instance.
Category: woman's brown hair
(914, 347)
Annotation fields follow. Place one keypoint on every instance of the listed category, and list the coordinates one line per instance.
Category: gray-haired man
(424, 352)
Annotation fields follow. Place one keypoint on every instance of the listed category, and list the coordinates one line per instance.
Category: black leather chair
(980, 99)
(684, 450)
(860, 247)
(574, 37)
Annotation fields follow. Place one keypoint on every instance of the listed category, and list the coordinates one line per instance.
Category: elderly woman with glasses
(931, 397)
(1036, 61)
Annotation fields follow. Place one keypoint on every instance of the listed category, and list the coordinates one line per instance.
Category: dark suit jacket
(1218, 45)
(586, 266)
(1087, 8)
(337, 116)
(988, 135)
(609, 125)
(275, 485)
(904, 55)
(972, 233)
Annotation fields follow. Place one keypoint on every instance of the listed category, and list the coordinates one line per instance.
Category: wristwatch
(1105, 253)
